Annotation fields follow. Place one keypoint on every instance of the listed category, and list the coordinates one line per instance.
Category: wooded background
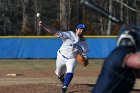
(18, 17)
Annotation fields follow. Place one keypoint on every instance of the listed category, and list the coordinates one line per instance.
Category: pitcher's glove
(81, 59)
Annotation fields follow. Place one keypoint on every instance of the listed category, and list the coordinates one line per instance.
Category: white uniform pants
(64, 65)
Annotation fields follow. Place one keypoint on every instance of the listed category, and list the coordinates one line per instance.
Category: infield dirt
(37, 76)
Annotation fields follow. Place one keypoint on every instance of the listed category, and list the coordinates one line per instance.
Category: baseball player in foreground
(118, 73)
(73, 44)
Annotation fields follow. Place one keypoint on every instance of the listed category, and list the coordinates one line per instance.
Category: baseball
(38, 14)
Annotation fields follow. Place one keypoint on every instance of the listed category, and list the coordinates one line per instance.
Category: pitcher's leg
(60, 66)
(70, 65)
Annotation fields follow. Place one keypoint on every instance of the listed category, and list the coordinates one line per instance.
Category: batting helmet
(81, 26)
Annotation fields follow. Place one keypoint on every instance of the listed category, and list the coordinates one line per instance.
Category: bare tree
(69, 13)
(63, 15)
(28, 18)
(101, 22)
(65, 12)
(109, 21)
(121, 11)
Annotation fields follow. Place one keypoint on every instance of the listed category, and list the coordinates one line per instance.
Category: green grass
(26, 64)
(40, 64)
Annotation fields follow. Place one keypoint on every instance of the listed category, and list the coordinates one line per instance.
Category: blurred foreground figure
(119, 71)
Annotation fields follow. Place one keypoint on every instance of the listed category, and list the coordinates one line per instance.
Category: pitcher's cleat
(64, 89)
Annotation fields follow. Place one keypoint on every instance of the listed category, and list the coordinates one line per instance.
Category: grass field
(37, 76)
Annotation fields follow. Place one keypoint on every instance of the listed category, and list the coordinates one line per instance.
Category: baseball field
(37, 76)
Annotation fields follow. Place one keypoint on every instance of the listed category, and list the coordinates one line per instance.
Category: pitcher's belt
(63, 55)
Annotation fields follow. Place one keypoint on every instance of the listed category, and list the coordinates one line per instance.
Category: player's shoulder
(66, 32)
(70, 32)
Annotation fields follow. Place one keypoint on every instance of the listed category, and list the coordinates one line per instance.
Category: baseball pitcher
(73, 49)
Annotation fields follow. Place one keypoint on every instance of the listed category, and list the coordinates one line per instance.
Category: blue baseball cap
(81, 26)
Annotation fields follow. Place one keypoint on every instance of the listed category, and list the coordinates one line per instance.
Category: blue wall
(47, 47)
(101, 47)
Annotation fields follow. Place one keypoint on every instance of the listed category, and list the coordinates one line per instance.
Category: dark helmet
(129, 35)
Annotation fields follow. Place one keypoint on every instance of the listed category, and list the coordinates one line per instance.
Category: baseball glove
(81, 59)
